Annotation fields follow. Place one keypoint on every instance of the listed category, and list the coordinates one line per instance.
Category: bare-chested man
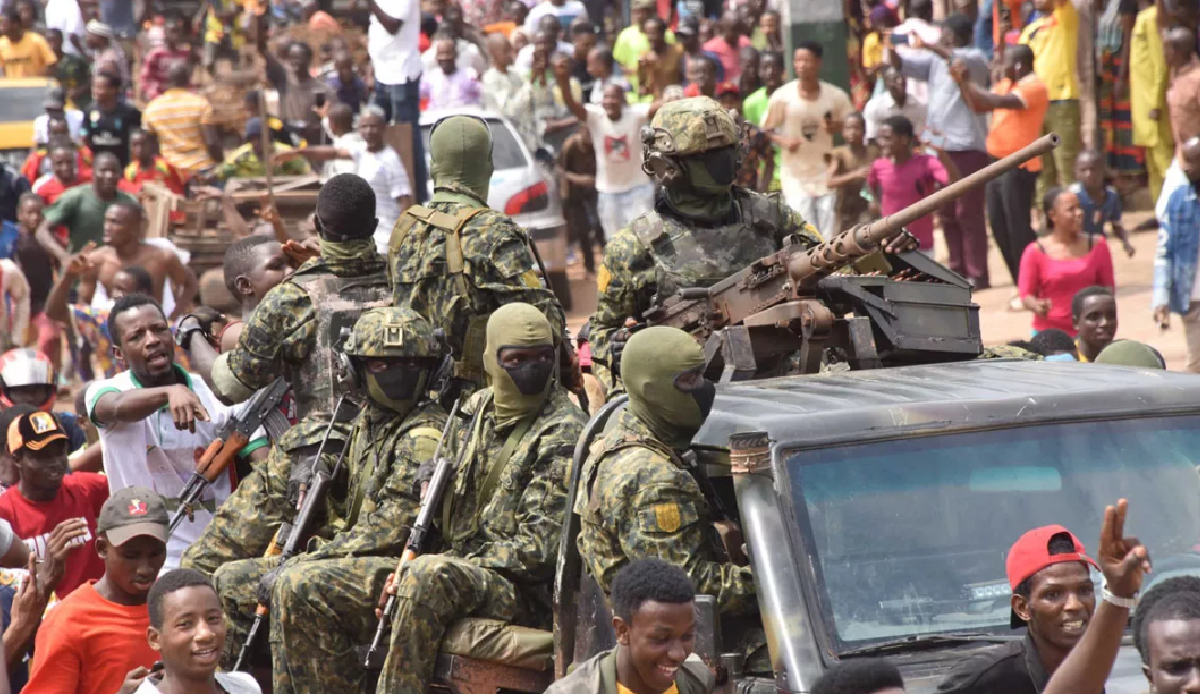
(123, 226)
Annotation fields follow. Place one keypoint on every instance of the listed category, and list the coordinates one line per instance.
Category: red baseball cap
(727, 88)
(1031, 553)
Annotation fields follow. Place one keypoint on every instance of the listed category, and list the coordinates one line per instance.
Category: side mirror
(544, 155)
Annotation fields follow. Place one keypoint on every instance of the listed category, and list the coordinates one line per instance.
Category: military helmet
(690, 126)
(392, 332)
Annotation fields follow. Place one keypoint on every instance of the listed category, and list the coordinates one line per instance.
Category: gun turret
(791, 304)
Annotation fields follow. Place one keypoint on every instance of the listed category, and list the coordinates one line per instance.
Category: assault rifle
(790, 304)
(234, 435)
(415, 546)
(310, 503)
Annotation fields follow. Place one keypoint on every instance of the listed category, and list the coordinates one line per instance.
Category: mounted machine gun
(797, 303)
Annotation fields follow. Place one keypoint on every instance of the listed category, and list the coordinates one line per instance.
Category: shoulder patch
(603, 278)
(667, 516)
(529, 278)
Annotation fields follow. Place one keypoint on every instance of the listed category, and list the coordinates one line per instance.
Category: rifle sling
(493, 477)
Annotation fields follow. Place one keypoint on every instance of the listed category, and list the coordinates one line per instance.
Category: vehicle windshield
(21, 104)
(506, 151)
(910, 536)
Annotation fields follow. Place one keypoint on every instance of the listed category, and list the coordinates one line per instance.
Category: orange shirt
(1013, 129)
(86, 645)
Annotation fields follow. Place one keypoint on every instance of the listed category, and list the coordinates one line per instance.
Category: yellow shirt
(214, 31)
(1147, 81)
(872, 51)
(622, 689)
(28, 57)
(1054, 40)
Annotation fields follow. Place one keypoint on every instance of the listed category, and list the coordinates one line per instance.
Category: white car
(523, 188)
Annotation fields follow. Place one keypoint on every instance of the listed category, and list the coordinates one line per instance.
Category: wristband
(1107, 596)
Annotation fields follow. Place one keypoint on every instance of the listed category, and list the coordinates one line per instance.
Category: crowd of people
(454, 342)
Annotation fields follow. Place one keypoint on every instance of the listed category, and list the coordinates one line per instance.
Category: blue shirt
(353, 94)
(964, 129)
(9, 234)
(983, 29)
(1178, 250)
(1095, 216)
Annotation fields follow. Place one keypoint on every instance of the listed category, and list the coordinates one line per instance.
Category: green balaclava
(1130, 353)
(653, 359)
(524, 389)
(460, 161)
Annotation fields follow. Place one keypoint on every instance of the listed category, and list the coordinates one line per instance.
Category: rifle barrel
(860, 241)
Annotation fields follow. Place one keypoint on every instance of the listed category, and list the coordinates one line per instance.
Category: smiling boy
(97, 634)
(654, 617)
(187, 629)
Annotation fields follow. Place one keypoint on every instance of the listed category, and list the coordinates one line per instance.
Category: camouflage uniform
(279, 339)
(369, 510)
(662, 252)
(455, 261)
(637, 498)
(641, 501)
(498, 552)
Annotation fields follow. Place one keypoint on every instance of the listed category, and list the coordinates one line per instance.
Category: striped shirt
(178, 118)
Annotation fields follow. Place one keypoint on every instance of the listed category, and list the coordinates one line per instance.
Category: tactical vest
(338, 301)
(468, 365)
(691, 256)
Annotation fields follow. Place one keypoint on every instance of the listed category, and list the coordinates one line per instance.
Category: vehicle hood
(923, 671)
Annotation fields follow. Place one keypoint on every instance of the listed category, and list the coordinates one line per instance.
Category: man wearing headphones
(702, 228)
(455, 261)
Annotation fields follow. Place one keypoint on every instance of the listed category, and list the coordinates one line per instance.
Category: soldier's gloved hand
(303, 471)
(266, 584)
(188, 326)
(616, 345)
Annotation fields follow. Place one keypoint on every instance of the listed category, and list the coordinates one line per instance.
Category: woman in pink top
(902, 177)
(1058, 265)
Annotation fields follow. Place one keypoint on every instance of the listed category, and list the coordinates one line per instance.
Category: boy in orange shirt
(97, 634)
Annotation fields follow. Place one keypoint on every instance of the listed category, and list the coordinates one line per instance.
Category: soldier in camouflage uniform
(371, 505)
(289, 334)
(455, 261)
(502, 514)
(702, 229)
(637, 498)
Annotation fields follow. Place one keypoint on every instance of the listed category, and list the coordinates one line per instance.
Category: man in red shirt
(64, 176)
(159, 60)
(146, 164)
(46, 496)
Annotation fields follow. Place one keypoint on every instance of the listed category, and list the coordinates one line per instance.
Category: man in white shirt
(565, 10)
(67, 17)
(467, 52)
(547, 36)
(375, 162)
(894, 101)
(392, 46)
(339, 125)
(156, 419)
(501, 82)
(55, 106)
(624, 191)
(803, 116)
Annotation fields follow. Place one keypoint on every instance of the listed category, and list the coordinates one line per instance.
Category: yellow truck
(22, 100)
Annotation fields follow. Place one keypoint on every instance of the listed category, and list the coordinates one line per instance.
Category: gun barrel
(860, 241)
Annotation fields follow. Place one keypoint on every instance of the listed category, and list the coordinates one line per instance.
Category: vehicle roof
(431, 117)
(882, 403)
(25, 82)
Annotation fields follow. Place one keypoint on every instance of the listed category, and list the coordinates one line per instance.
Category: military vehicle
(878, 504)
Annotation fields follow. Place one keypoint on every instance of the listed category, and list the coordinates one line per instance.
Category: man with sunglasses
(372, 503)
(641, 493)
(292, 333)
(455, 261)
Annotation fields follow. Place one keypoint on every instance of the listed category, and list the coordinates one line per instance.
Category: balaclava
(651, 365)
(460, 161)
(521, 390)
